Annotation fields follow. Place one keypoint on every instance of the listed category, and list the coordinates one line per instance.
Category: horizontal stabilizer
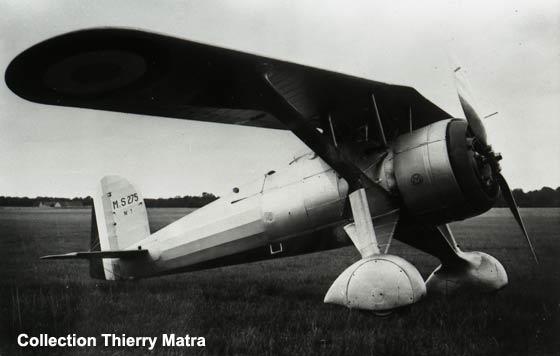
(124, 254)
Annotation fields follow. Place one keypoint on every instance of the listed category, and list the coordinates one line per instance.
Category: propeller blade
(508, 196)
(475, 123)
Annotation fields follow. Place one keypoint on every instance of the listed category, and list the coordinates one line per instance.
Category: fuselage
(281, 213)
(431, 172)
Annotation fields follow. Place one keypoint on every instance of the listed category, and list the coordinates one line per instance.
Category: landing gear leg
(471, 271)
(377, 282)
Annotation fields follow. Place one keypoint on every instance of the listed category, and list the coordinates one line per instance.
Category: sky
(509, 49)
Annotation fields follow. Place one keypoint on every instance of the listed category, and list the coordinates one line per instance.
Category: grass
(275, 307)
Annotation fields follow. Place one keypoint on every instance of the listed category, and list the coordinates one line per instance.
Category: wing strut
(332, 131)
(379, 123)
(410, 118)
(335, 157)
(291, 117)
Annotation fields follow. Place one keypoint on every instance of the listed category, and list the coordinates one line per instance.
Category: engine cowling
(439, 175)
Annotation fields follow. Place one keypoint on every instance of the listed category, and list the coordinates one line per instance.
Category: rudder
(95, 266)
(122, 221)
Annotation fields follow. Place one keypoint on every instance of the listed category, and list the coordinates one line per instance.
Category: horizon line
(200, 195)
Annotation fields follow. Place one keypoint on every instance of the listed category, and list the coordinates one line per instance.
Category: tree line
(187, 201)
(544, 197)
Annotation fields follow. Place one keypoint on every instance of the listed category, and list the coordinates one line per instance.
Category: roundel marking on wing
(94, 72)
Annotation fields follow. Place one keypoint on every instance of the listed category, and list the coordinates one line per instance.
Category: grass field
(275, 307)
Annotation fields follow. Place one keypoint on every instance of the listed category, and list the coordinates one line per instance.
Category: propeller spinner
(484, 153)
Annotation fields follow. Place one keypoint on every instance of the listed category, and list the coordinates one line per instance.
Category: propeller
(475, 123)
(484, 150)
(508, 196)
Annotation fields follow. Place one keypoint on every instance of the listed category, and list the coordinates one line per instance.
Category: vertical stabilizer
(121, 219)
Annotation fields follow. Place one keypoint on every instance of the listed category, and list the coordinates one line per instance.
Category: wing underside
(140, 72)
(340, 117)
